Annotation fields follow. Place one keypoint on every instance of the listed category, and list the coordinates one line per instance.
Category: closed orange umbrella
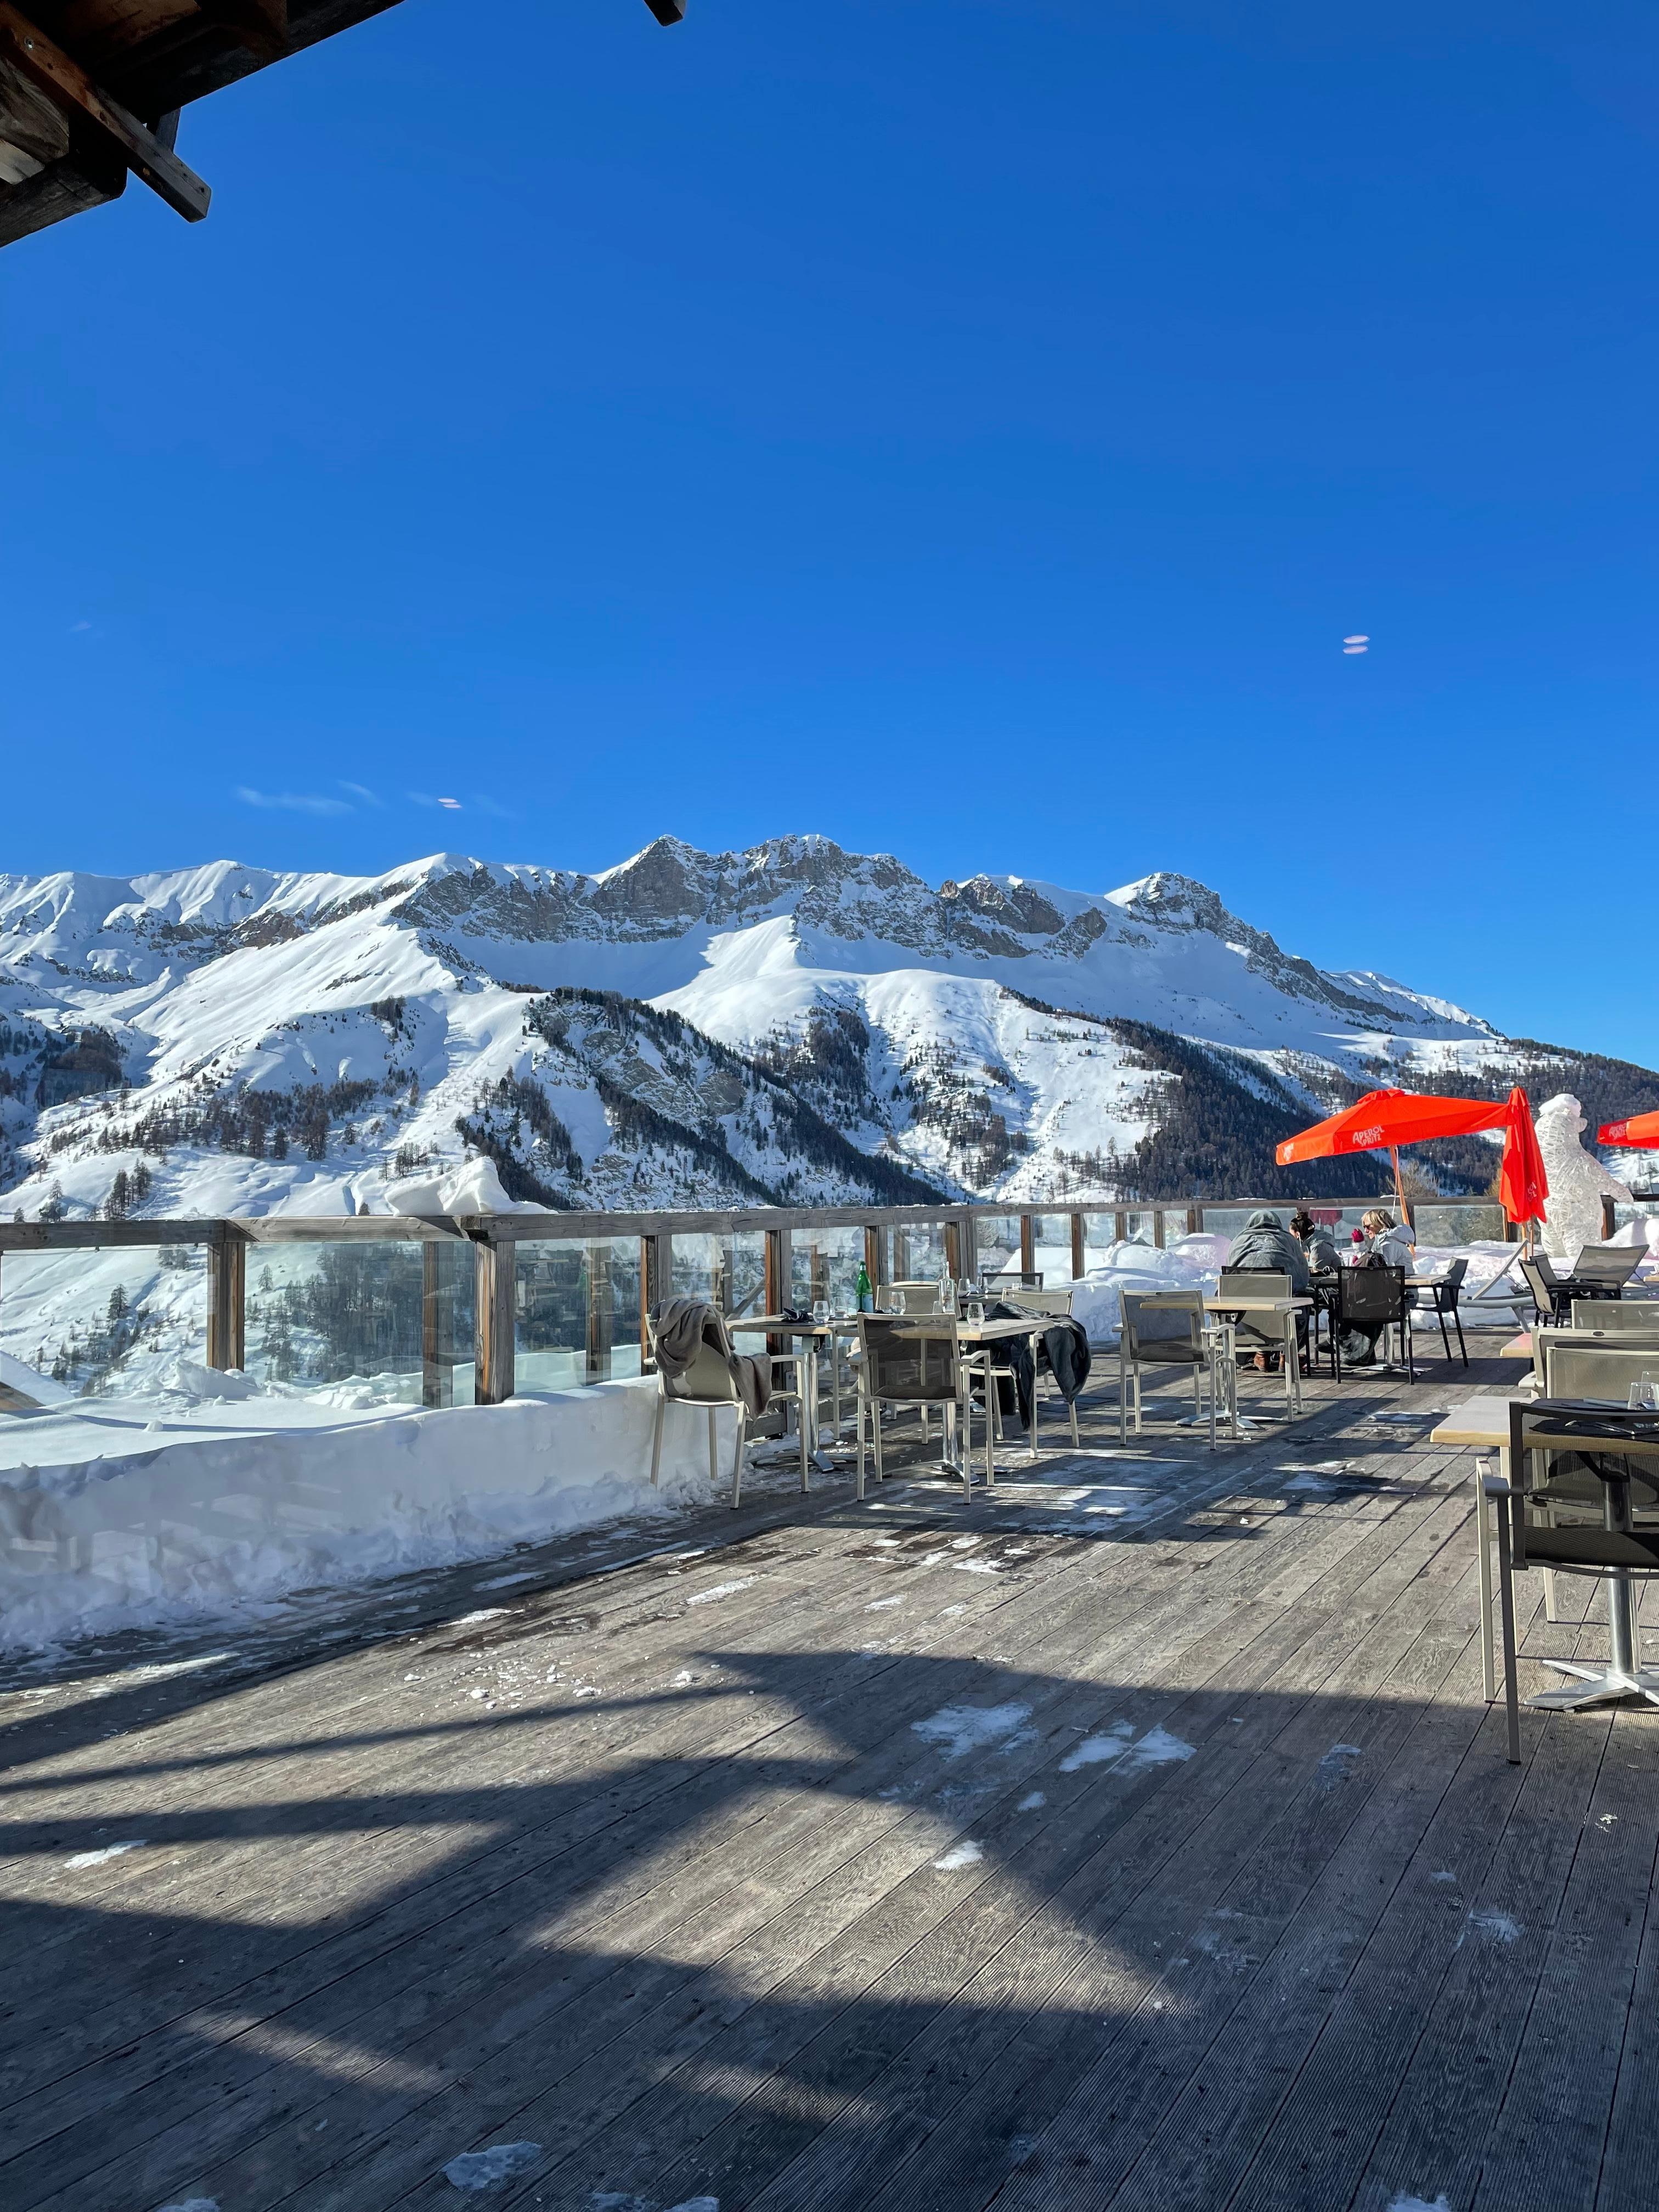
(1392, 1118)
(1641, 1129)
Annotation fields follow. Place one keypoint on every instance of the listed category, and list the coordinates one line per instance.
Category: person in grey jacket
(1316, 1241)
(1267, 1248)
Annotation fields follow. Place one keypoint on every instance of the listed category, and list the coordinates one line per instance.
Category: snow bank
(1192, 1264)
(16, 1375)
(109, 1520)
(474, 1187)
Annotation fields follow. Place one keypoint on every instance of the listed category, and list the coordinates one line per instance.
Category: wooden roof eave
(90, 90)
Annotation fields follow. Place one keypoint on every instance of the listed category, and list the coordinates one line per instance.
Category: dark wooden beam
(260, 25)
(64, 82)
(34, 131)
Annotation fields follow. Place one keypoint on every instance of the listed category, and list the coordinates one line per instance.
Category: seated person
(1391, 1243)
(1267, 1248)
(1317, 1242)
(1388, 1243)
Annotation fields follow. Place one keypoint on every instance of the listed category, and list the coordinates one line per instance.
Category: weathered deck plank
(689, 1935)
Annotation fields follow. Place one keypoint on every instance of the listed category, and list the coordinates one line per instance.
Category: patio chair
(709, 1382)
(1602, 1271)
(1165, 1328)
(1598, 1373)
(1057, 1301)
(917, 1297)
(1551, 1297)
(1372, 1298)
(903, 1364)
(1007, 1282)
(1617, 1315)
(1440, 1298)
(1545, 1340)
(1583, 1499)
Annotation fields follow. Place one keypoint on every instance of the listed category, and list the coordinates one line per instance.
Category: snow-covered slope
(792, 1023)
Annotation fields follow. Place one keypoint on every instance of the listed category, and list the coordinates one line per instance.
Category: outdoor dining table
(1220, 1307)
(814, 1334)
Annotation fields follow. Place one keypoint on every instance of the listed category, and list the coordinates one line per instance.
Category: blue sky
(967, 428)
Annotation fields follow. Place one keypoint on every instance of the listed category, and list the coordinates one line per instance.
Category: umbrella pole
(1399, 1187)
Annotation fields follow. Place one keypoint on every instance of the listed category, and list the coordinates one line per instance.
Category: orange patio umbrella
(1641, 1129)
(1393, 1118)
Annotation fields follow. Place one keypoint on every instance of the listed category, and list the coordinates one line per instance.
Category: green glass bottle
(866, 1296)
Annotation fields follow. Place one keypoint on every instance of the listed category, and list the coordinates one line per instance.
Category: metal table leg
(1483, 1545)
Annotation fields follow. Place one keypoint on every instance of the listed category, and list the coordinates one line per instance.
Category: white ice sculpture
(1578, 1182)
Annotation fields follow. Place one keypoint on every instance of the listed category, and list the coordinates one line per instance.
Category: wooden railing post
(1076, 1247)
(1027, 1243)
(227, 1316)
(493, 1319)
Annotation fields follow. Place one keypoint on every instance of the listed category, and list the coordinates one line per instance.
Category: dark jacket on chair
(1065, 1348)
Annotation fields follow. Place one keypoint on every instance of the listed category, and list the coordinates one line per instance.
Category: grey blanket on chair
(684, 1326)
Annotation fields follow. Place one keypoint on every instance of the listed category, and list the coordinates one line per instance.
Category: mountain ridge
(790, 1021)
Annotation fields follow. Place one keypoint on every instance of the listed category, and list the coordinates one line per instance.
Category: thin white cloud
(75, 629)
(482, 805)
(361, 794)
(426, 799)
(292, 802)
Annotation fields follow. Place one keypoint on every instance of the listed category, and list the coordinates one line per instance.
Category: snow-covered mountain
(792, 1023)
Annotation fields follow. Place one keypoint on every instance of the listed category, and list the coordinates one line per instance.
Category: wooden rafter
(90, 90)
(66, 84)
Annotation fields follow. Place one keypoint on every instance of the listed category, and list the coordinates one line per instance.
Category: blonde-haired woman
(1390, 1241)
(1388, 1244)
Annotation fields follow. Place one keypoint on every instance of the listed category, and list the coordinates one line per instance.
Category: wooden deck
(1136, 1838)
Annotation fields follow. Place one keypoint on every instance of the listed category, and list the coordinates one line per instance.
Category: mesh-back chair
(1599, 1374)
(1372, 1300)
(1260, 1329)
(709, 1382)
(1165, 1328)
(915, 1297)
(1584, 1501)
(922, 1364)
(1551, 1297)
(1039, 1301)
(1545, 1340)
(1440, 1298)
(1602, 1271)
(1617, 1315)
(1268, 1332)
(1007, 1282)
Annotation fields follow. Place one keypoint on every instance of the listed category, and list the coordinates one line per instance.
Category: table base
(1596, 1686)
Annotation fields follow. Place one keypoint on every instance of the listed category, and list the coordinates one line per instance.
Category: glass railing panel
(1471, 1223)
(1140, 1225)
(1051, 1249)
(825, 1263)
(339, 1321)
(112, 1322)
(1228, 1220)
(728, 1272)
(996, 1243)
(449, 1374)
(577, 1311)
(616, 1278)
(915, 1252)
(1099, 1236)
